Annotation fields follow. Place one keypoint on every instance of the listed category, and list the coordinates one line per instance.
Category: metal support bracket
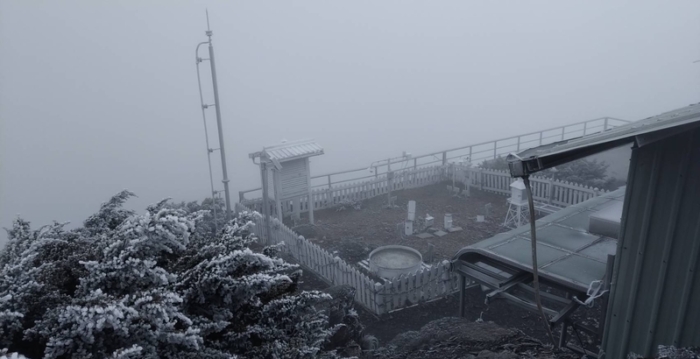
(508, 284)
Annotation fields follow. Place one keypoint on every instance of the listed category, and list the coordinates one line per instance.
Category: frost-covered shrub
(152, 286)
(207, 227)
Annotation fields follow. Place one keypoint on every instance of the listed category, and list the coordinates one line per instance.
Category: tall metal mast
(222, 152)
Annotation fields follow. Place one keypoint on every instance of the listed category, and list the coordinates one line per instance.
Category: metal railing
(475, 153)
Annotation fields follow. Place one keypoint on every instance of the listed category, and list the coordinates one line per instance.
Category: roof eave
(305, 155)
(520, 167)
(641, 133)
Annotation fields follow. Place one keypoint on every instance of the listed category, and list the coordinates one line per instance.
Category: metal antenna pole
(206, 135)
(218, 122)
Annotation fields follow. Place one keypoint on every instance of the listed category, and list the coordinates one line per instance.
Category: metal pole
(462, 294)
(218, 123)
(206, 136)
(265, 202)
(389, 184)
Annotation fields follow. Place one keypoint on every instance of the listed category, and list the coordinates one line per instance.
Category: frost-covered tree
(243, 301)
(209, 224)
(152, 286)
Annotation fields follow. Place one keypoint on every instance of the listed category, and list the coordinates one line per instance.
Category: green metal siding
(655, 297)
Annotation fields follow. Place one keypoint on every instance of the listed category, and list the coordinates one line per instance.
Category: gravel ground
(452, 337)
(355, 233)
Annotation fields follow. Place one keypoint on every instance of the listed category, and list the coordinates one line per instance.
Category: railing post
(518, 144)
(444, 158)
(241, 196)
(605, 126)
(329, 181)
(540, 138)
(495, 147)
(585, 126)
(470, 154)
(562, 133)
(415, 163)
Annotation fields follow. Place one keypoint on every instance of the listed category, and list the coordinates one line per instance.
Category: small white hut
(286, 168)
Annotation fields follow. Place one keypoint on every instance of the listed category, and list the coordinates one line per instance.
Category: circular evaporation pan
(393, 260)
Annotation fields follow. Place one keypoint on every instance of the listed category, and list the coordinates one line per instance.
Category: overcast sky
(97, 96)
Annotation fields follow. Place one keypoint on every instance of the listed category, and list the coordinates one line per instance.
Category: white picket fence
(407, 290)
(558, 193)
(552, 192)
(361, 190)
(421, 286)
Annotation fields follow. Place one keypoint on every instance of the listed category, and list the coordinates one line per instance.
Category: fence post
(329, 181)
(550, 190)
(444, 158)
(415, 163)
(336, 270)
(378, 299)
(495, 147)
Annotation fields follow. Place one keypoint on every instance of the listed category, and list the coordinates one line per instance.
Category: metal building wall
(655, 297)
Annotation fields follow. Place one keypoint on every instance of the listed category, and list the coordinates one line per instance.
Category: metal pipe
(206, 135)
(462, 300)
(218, 123)
(535, 274)
(265, 202)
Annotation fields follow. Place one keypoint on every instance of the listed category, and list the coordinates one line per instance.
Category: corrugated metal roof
(567, 253)
(294, 150)
(546, 156)
(655, 298)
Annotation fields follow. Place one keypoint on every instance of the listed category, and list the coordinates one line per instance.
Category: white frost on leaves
(5, 355)
(154, 285)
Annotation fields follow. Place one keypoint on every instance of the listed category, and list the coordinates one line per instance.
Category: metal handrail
(589, 127)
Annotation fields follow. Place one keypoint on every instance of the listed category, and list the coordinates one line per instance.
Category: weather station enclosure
(286, 176)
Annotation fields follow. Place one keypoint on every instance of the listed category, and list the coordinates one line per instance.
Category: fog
(96, 97)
